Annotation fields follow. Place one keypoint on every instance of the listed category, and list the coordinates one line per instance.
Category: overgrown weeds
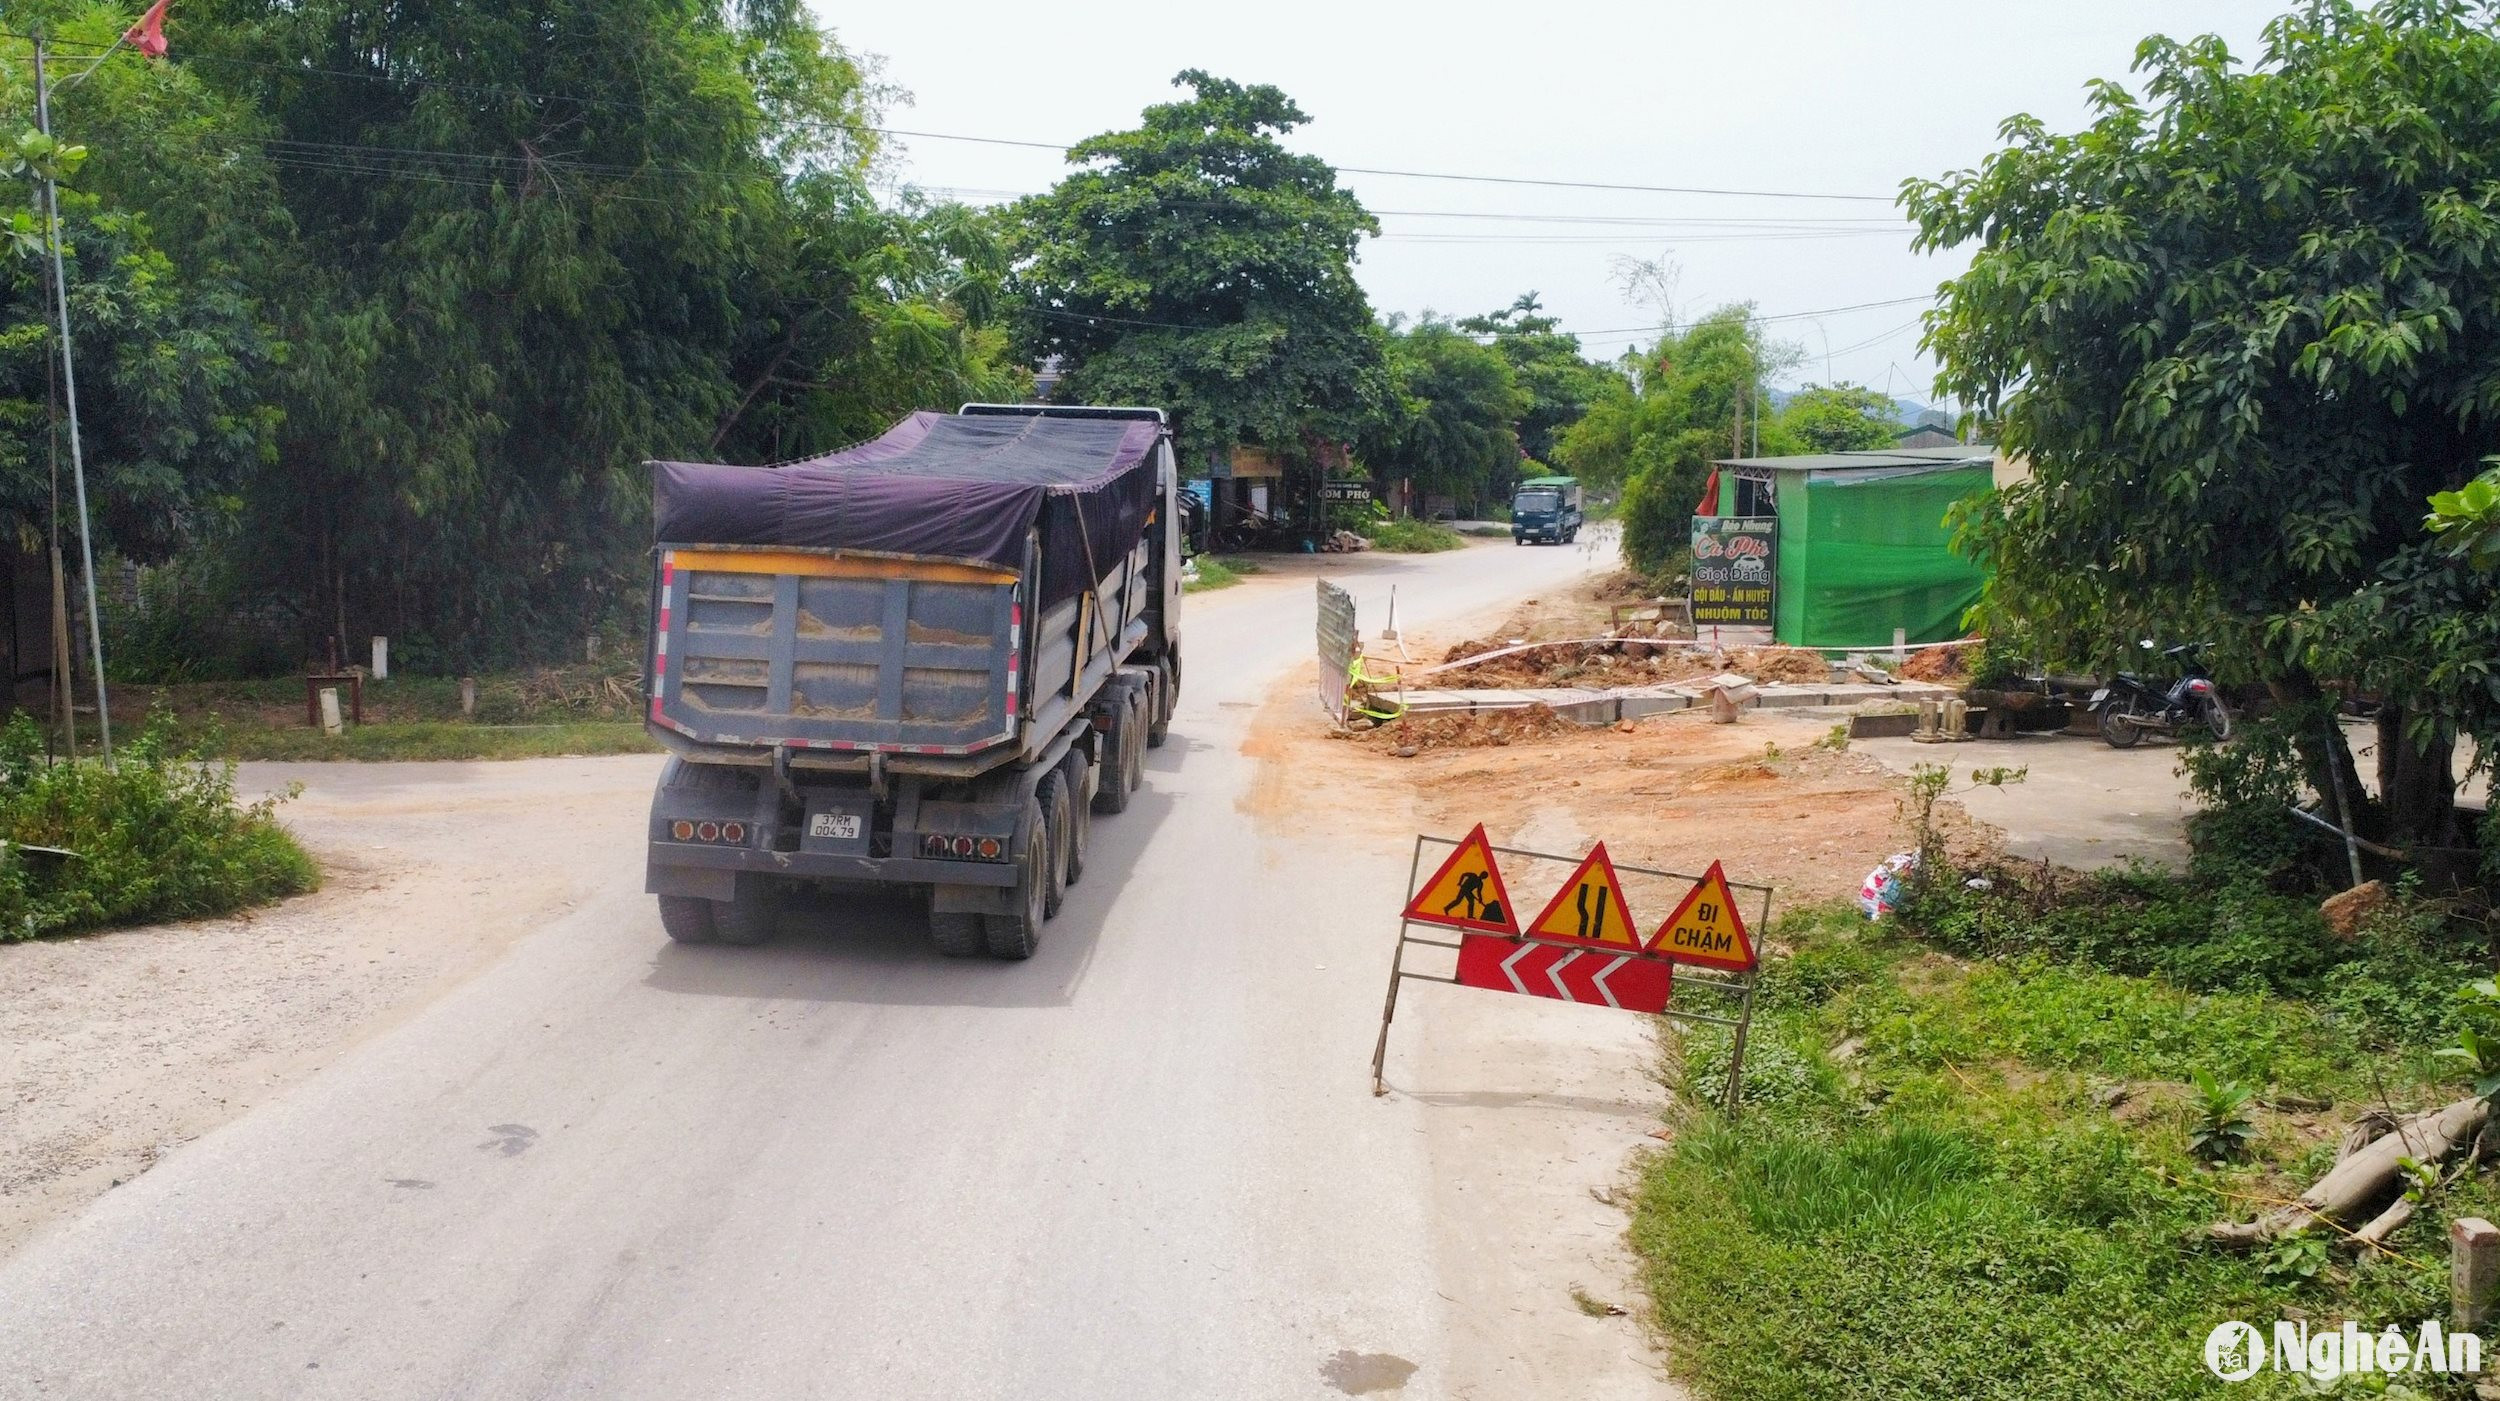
(1979, 1178)
(159, 836)
(1414, 537)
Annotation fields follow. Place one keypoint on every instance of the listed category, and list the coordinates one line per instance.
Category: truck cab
(1545, 510)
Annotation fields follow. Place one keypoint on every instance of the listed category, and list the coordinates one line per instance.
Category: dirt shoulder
(1535, 1114)
(126, 1044)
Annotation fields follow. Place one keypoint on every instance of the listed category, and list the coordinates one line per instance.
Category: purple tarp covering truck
(926, 660)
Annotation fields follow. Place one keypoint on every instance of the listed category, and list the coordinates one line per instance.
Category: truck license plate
(838, 826)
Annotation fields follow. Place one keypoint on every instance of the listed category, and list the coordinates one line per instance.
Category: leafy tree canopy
(2242, 326)
(1838, 418)
(1196, 264)
(1656, 436)
(1450, 426)
(381, 309)
(1559, 382)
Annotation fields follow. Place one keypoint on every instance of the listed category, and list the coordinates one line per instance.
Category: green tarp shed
(1863, 545)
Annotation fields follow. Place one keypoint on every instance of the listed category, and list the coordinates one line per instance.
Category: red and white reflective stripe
(1015, 657)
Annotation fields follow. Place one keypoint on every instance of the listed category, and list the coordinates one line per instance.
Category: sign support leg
(1388, 1013)
(1397, 965)
(1736, 1055)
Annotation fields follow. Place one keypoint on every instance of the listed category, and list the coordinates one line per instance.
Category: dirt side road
(123, 1046)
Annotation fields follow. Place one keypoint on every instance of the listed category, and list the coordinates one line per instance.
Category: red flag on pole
(148, 35)
(1709, 496)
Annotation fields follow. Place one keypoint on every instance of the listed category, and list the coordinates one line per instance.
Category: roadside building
(1861, 550)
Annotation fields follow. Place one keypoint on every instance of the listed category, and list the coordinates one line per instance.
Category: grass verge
(433, 739)
(1413, 537)
(1214, 573)
(156, 837)
(1973, 1178)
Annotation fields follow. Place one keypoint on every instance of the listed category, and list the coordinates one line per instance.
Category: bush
(1951, 1206)
(1412, 537)
(1657, 519)
(157, 837)
(2391, 982)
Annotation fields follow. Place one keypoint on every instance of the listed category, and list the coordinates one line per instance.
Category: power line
(1062, 148)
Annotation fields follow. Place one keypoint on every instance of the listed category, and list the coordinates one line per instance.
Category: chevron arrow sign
(1593, 975)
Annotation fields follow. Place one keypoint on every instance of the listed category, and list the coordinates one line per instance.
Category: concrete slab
(2083, 805)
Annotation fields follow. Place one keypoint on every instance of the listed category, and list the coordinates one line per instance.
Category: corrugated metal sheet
(1337, 641)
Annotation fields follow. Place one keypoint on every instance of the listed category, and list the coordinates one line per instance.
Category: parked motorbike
(2131, 704)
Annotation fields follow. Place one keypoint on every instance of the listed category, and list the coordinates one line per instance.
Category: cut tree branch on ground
(2365, 1175)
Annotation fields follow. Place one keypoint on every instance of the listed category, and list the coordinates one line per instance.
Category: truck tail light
(709, 831)
(943, 847)
(682, 830)
(734, 832)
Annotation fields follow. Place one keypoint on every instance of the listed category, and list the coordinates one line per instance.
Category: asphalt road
(1143, 1164)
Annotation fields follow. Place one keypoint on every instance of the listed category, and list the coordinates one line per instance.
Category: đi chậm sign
(1733, 560)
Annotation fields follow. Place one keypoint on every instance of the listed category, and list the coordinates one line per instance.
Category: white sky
(1820, 96)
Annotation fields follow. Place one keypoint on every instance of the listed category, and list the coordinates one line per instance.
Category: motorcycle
(2130, 703)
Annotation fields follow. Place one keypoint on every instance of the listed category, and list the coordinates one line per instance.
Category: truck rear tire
(1060, 822)
(1080, 814)
(687, 919)
(1167, 700)
(1119, 755)
(1016, 936)
(747, 918)
(957, 935)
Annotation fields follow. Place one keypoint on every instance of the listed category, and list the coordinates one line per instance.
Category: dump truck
(1547, 509)
(928, 661)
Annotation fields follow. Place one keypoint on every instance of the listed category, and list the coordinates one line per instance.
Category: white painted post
(331, 724)
(468, 695)
(381, 659)
(2473, 1270)
(1900, 643)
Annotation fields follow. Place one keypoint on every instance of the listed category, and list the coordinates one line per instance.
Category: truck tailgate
(820, 651)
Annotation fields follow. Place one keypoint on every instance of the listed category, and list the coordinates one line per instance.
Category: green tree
(1560, 383)
(1450, 424)
(1838, 418)
(2241, 328)
(173, 349)
(1702, 394)
(1196, 264)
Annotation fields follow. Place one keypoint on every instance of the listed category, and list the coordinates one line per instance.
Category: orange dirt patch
(1949, 662)
(1672, 792)
(1782, 664)
(1490, 729)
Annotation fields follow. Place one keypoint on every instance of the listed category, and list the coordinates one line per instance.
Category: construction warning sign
(1706, 929)
(1467, 892)
(1589, 908)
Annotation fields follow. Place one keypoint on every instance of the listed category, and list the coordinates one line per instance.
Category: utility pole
(69, 386)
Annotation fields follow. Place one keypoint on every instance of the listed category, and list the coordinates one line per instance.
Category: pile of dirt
(1601, 663)
(1795, 664)
(1608, 662)
(1949, 661)
(1478, 730)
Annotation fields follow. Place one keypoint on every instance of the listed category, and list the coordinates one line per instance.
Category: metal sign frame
(1739, 986)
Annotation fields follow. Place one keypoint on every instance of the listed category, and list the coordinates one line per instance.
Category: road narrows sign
(1589, 908)
(1706, 928)
(1467, 892)
(1625, 981)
